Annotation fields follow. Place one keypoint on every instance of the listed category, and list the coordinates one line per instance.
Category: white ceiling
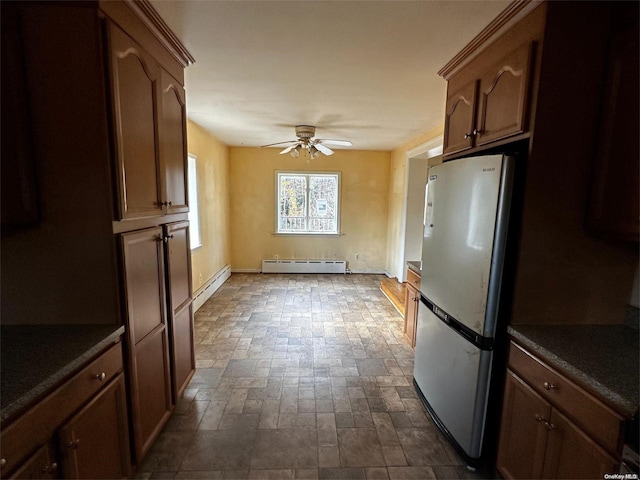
(364, 71)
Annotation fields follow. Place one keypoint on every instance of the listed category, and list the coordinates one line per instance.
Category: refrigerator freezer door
(462, 213)
(453, 377)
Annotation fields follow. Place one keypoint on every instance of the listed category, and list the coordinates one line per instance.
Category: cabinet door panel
(151, 390)
(173, 149)
(184, 361)
(95, 443)
(411, 315)
(459, 120)
(41, 465)
(522, 434)
(134, 84)
(144, 281)
(179, 264)
(572, 454)
(503, 97)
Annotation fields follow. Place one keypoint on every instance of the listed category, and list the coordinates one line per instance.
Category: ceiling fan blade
(288, 149)
(323, 149)
(278, 143)
(339, 143)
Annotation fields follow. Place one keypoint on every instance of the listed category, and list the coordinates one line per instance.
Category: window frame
(308, 174)
(195, 232)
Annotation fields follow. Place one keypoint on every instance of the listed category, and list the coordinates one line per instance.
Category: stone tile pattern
(301, 377)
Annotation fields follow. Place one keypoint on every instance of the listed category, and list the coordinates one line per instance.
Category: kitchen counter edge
(30, 382)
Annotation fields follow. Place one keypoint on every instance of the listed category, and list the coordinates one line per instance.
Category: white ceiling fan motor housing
(305, 131)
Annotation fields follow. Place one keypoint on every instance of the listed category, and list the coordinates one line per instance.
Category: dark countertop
(35, 358)
(602, 358)
(416, 266)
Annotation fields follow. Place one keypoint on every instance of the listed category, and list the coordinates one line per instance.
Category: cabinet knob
(50, 469)
(100, 376)
(3, 462)
(74, 444)
(539, 418)
(468, 135)
(549, 426)
(549, 386)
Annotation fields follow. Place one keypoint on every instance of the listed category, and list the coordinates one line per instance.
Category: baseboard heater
(304, 266)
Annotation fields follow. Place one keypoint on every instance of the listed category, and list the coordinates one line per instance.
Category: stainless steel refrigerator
(466, 217)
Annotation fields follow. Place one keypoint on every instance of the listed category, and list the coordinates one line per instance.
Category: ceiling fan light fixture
(313, 152)
(295, 152)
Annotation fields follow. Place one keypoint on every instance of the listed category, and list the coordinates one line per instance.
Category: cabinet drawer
(36, 426)
(413, 279)
(593, 416)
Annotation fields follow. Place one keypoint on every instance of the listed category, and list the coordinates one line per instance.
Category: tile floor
(301, 377)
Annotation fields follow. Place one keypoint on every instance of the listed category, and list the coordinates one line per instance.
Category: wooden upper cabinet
(172, 123)
(502, 109)
(460, 118)
(135, 83)
(491, 107)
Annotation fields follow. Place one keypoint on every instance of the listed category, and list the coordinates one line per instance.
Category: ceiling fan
(315, 146)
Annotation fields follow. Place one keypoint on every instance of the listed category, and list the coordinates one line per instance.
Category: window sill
(308, 234)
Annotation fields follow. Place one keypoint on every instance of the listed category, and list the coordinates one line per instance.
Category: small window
(194, 217)
(308, 203)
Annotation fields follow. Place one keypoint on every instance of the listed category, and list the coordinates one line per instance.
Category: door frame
(422, 152)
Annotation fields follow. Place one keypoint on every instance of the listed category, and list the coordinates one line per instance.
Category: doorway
(419, 159)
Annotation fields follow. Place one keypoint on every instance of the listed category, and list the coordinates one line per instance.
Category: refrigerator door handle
(483, 343)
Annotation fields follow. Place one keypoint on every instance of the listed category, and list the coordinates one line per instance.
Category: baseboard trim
(245, 270)
(207, 290)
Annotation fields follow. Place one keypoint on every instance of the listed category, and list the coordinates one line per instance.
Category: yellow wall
(396, 195)
(364, 209)
(213, 200)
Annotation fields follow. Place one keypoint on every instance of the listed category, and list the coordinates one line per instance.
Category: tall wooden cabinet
(149, 121)
(107, 138)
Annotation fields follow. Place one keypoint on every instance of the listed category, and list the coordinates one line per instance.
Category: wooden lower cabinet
(537, 437)
(80, 430)
(522, 436)
(571, 453)
(411, 304)
(41, 465)
(91, 442)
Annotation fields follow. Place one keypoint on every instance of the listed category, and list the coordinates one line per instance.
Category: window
(194, 217)
(308, 203)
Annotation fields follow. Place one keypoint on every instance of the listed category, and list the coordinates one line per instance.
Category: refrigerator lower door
(452, 375)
